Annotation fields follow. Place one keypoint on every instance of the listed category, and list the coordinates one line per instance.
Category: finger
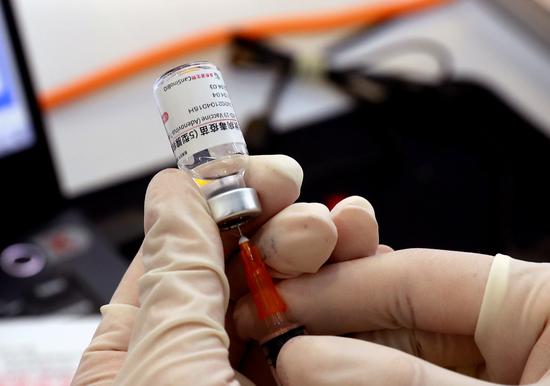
(324, 360)
(444, 350)
(544, 380)
(183, 292)
(514, 314)
(107, 351)
(430, 290)
(538, 364)
(127, 291)
(382, 248)
(277, 179)
(357, 229)
(297, 240)
(103, 358)
(301, 238)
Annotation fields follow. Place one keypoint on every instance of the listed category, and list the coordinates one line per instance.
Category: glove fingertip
(292, 360)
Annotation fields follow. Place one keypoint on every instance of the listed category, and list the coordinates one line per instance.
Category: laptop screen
(16, 130)
(28, 175)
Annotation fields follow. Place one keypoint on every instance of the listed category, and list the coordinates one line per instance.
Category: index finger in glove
(300, 238)
(178, 332)
(357, 229)
(431, 290)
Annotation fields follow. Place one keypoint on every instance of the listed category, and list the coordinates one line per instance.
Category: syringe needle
(243, 238)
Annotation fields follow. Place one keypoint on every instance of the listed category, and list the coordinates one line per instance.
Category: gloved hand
(165, 322)
(483, 316)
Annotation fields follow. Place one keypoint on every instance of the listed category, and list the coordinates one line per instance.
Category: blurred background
(437, 111)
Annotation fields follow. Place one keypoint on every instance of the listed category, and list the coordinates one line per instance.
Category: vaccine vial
(206, 139)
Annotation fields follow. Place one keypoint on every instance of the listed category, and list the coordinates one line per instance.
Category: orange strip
(334, 19)
(126, 68)
(260, 29)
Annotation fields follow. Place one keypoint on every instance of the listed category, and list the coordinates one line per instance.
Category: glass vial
(206, 139)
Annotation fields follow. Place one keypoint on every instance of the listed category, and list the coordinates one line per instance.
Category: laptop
(26, 167)
(53, 260)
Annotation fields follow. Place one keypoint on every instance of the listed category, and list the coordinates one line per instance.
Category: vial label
(196, 110)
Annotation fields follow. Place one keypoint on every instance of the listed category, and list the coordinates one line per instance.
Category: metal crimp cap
(234, 207)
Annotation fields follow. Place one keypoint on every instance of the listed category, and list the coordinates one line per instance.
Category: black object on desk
(446, 165)
(445, 162)
(64, 267)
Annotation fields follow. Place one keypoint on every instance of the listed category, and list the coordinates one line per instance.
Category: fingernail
(356, 201)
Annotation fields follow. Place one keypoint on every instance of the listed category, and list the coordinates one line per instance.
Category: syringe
(270, 306)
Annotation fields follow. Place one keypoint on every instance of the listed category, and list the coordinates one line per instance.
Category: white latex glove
(165, 322)
(474, 313)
